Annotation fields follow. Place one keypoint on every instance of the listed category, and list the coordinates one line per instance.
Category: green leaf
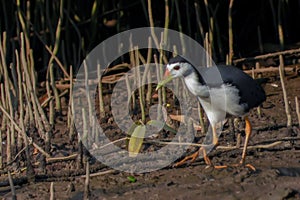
(169, 128)
(136, 140)
(156, 123)
(132, 128)
(160, 124)
(132, 179)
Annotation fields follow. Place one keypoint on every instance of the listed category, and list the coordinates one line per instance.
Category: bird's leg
(214, 142)
(248, 130)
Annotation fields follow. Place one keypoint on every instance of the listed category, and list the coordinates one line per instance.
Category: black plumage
(250, 92)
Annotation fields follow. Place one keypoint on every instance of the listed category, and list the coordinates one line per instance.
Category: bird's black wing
(250, 92)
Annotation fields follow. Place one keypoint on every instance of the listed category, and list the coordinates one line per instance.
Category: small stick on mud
(59, 159)
(262, 146)
(110, 171)
(12, 187)
(52, 195)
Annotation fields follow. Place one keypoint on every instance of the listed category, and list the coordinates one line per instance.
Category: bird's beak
(167, 78)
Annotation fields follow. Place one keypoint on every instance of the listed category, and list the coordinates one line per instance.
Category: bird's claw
(192, 159)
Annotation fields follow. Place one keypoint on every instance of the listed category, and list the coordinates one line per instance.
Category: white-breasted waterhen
(241, 94)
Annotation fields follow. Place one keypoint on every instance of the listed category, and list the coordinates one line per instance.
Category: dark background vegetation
(86, 23)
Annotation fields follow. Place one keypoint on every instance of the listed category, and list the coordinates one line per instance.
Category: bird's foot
(241, 164)
(249, 166)
(192, 158)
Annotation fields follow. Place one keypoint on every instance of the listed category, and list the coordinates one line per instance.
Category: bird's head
(177, 67)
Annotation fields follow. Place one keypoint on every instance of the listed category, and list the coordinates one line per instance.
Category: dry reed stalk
(230, 33)
(51, 102)
(180, 28)
(140, 84)
(1, 157)
(21, 105)
(149, 89)
(152, 24)
(24, 26)
(208, 49)
(201, 119)
(161, 69)
(12, 187)
(131, 96)
(39, 114)
(199, 21)
(157, 44)
(11, 144)
(29, 116)
(297, 110)
(87, 191)
(211, 37)
(129, 92)
(286, 102)
(167, 21)
(279, 25)
(50, 69)
(85, 129)
(100, 92)
(257, 66)
(87, 90)
(3, 103)
(207, 12)
(160, 101)
(70, 98)
(32, 71)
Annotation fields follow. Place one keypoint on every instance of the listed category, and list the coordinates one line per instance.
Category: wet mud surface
(277, 174)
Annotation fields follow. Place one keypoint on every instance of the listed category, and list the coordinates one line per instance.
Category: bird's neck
(195, 84)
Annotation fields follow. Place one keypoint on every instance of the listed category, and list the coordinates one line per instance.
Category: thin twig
(100, 173)
(52, 196)
(59, 159)
(265, 56)
(262, 146)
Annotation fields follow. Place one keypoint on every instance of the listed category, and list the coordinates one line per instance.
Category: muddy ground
(277, 174)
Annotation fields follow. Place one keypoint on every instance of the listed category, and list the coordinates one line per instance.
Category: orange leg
(248, 130)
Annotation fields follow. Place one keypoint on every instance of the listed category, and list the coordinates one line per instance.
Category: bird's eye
(177, 67)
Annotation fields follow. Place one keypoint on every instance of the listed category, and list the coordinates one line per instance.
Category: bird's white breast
(216, 101)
